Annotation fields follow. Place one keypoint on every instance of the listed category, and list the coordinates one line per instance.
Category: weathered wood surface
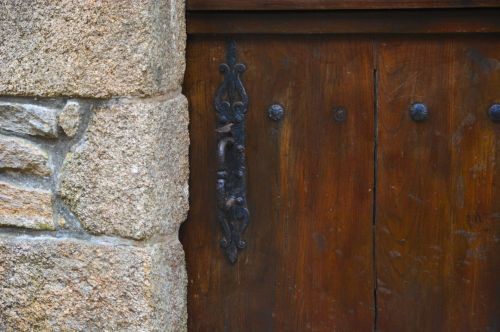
(308, 265)
(314, 253)
(333, 4)
(346, 22)
(438, 185)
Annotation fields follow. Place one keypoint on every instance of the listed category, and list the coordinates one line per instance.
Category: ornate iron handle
(231, 103)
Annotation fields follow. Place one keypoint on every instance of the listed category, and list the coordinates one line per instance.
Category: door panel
(308, 264)
(438, 185)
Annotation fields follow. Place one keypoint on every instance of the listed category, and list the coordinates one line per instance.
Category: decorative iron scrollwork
(231, 102)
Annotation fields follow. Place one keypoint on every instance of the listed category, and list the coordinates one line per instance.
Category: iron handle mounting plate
(231, 104)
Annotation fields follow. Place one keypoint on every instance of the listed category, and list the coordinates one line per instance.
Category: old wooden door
(375, 199)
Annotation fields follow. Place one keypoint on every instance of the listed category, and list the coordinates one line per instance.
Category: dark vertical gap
(374, 206)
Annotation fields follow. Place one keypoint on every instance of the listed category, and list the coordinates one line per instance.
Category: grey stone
(28, 119)
(25, 207)
(91, 48)
(64, 284)
(127, 176)
(21, 155)
(70, 117)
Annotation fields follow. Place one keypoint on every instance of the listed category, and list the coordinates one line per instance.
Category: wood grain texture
(346, 22)
(333, 4)
(308, 265)
(438, 186)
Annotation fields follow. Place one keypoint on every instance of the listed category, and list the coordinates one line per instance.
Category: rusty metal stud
(494, 112)
(419, 112)
(276, 112)
(339, 114)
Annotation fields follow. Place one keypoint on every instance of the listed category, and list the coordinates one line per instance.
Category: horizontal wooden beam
(347, 22)
(334, 4)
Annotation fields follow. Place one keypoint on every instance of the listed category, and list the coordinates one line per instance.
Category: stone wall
(93, 165)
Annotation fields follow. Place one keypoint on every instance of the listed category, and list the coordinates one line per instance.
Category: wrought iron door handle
(231, 103)
(223, 144)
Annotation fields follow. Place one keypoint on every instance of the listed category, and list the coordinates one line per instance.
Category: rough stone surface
(28, 119)
(62, 284)
(128, 174)
(25, 207)
(69, 118)
(21, 155)
(91, 48)
(125, 177)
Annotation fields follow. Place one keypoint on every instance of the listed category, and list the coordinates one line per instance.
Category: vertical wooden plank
(308, 265)
(438, 185)
(325, 273)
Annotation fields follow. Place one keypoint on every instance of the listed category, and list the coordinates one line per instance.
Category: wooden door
(308, 264)
(377, 221)
(438, 185)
